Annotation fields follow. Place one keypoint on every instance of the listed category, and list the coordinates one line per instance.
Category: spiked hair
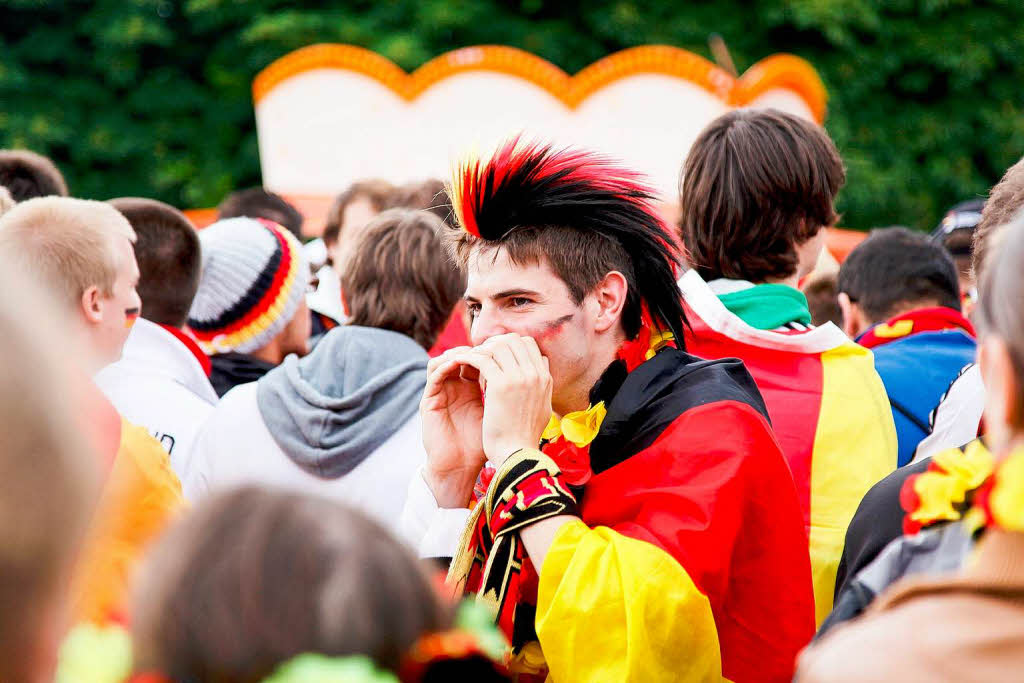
(571, 201)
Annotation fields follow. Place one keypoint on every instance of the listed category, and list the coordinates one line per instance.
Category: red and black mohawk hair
(532, 185)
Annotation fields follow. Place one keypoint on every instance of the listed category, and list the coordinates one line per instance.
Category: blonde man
(81, 253)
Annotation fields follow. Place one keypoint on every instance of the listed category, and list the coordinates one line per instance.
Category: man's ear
(610, 297)
(853, 319)
(92, 305)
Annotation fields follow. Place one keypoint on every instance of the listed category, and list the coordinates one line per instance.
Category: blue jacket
(916, 370)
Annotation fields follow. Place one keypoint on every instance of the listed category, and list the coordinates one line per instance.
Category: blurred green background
(152, 97)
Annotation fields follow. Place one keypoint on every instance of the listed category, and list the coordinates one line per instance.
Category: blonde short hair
(67, 244)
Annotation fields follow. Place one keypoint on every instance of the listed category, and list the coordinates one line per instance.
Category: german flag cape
(690, 562)
(828, 408)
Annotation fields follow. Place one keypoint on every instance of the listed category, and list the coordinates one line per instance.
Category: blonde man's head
(70, 244)
(80, 252)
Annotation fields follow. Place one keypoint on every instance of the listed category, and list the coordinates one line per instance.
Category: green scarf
(768, 306)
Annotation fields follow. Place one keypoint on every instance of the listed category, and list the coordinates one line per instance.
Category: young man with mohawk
(632, 516)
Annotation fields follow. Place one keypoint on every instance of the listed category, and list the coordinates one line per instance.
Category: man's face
(354, 219)
(530, 300)
(122, 307)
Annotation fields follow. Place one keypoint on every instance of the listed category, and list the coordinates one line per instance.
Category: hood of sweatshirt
(333, 408)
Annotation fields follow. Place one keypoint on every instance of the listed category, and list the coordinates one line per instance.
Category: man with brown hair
(633, 517)
(342, 421)
(757, 192)
(49, 480)
(351, 210)
(162, 379)
(26, 175)
(81, 252)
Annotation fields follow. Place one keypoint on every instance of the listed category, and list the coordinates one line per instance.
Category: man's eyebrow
(503, 295)
(515, 292)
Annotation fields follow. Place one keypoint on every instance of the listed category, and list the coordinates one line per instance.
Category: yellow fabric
(939, 491)
(1007, 498)
(612, 608)
(580, 427)
(854, 448)
(900, 328)
(659, 339)
(139, 498)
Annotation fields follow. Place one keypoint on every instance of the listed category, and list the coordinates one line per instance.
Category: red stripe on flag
(791, 384)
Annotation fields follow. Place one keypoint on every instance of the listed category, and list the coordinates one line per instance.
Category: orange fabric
(139, 497)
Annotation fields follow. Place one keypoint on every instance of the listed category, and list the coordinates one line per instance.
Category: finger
(503, 354)
(436, 362)
(483, 362)
(437, 378)
(534, 356)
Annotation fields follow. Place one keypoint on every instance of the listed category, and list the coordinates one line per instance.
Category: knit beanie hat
(254, 278)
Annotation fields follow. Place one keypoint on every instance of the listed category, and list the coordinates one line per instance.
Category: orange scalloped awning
(777, 71)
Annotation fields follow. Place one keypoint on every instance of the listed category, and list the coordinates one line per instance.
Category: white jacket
(160, 385)
(235, 448)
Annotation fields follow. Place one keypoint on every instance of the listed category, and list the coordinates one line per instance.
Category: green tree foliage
(152, 97)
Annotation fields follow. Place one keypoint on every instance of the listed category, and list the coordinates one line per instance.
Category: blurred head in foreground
(254, 577)
(49, 482)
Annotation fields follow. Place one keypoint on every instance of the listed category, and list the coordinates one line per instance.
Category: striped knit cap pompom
(254, 279)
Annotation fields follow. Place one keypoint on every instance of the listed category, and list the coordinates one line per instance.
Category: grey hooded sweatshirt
(333, 408)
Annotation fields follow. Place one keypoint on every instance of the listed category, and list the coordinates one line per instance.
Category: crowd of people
(514, 425)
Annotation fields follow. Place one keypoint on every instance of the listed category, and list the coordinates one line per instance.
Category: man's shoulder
(690, 381)
(664, 389)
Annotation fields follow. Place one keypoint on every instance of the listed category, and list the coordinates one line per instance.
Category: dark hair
(755, 185)
(578, 212)
(823, 300)
(1004, 202)
(254, 577)
(379, 193)
(399, 277)
(1000, 309)
(895, 270)
(168, 253)
(27, 175)
(255, 202)
(428, 195)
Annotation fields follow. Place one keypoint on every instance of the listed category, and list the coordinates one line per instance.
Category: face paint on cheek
(550, 329)
(130, 316)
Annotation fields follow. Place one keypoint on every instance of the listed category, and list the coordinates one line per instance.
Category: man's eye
(519, 301)
(474, 310)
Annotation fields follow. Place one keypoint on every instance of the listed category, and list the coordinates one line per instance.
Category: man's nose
(486, 324)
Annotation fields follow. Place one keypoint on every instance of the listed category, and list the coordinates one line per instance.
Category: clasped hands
(481, 403)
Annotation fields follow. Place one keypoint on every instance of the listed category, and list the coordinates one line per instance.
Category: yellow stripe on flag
(854, 447)
(612, 608)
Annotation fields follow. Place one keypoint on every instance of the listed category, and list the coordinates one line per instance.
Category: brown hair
(428, 195)
(47, 469)
(26, 175)
(67, 244)
(255, 202)
(823, 300)
(1000, 309)
(756, 184)
(1005, 200)
(378, 192)
(399, 277)
(254, 577)
(169, 258)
